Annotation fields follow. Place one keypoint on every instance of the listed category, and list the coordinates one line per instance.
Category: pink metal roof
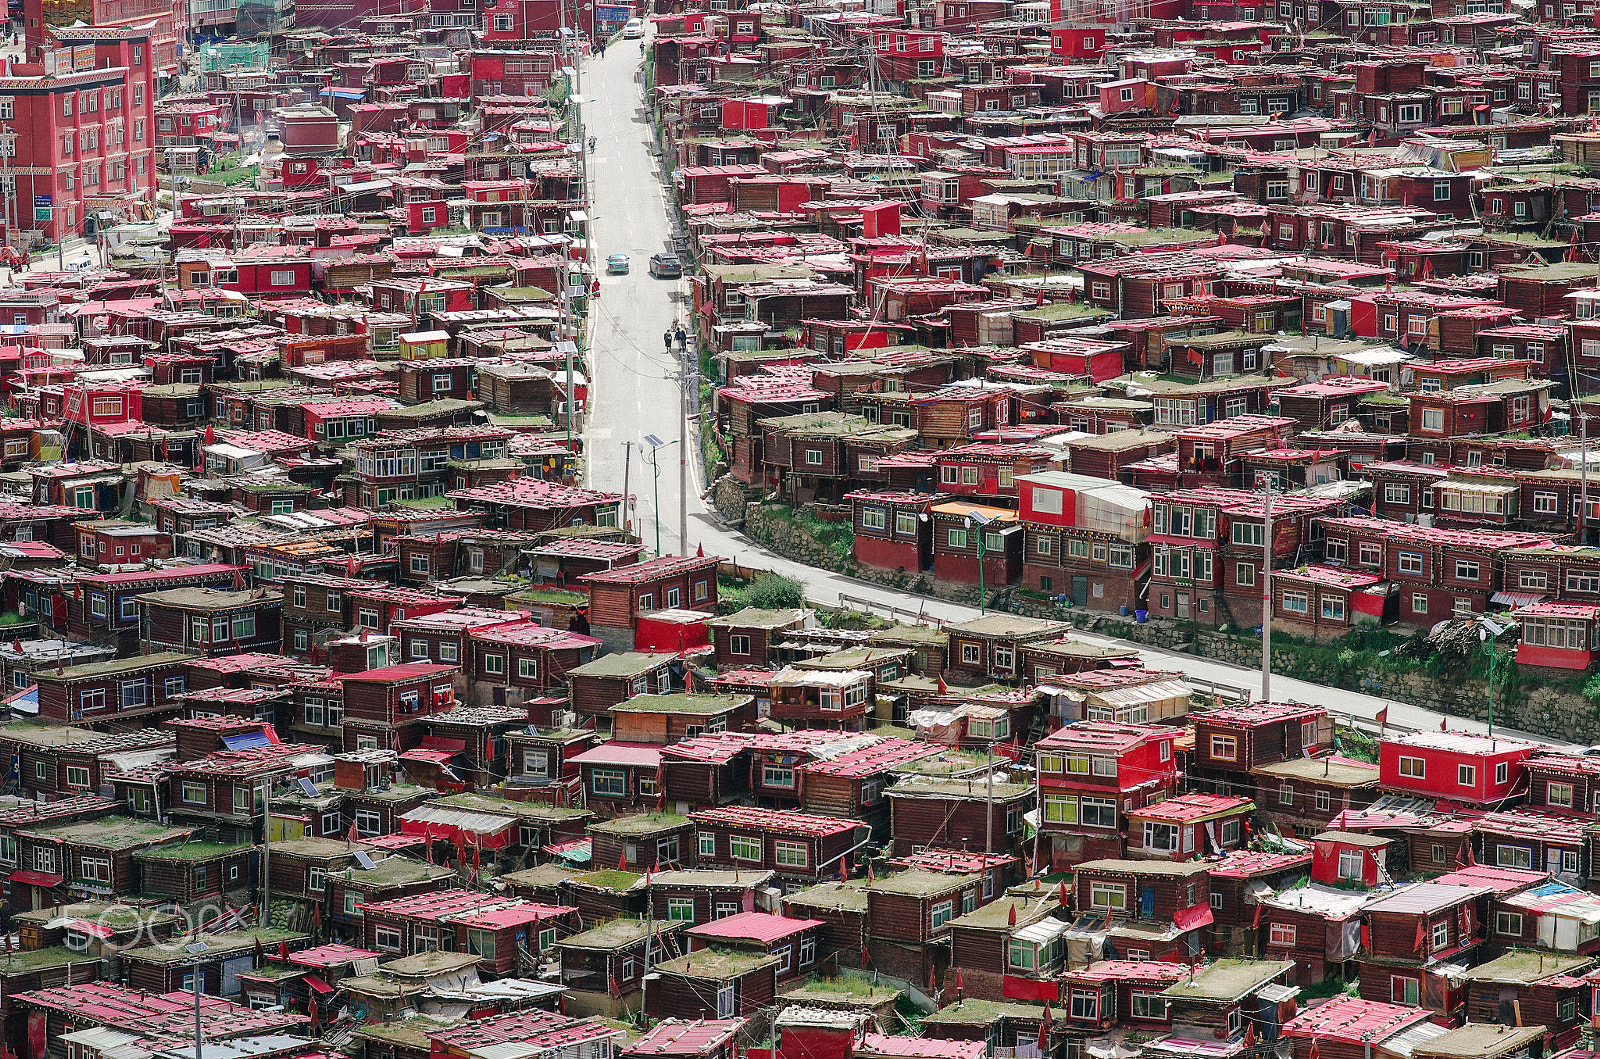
(1350, 1019)
(650, 570)
(404, 671)
(646, 754)
(954, 862)
(1243, 863)
(1334, 577)
(921, 1047)
(762, 927)
(132, 577)
(331, 955)
(1130, 970)
(871, 760)
(1188, 807)
(1107, 736)
(532, 634)
(1501, 880)
(674, 1038)
(774, 820)
(461, 905)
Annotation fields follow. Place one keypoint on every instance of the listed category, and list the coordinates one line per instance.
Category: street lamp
(982, 521)
(656, 445)
(1487, 631)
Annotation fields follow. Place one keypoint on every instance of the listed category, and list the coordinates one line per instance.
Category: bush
(1591, 690)
(770, 591)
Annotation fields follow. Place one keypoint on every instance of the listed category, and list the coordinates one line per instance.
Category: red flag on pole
(944, 689)
(1316, 1050)
(1422, 936)
(622, 861)
(1011, 920)
(1383, 716)
(1444, 724)
(1044, 1030)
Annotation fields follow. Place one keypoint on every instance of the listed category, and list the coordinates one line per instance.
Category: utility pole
(1583, 474)
(266, 859)
(197, 1031)
(988, 802)
(1266, 597)
(683, 446)
(627, 505)
(196, 951)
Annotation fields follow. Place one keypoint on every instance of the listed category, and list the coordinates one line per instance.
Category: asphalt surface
(632, 391)
(633, 395)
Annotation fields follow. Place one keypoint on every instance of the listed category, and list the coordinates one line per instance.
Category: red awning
(318, 984)
(29, 877)
(438, 742)
(431, 757)
(1198, 915)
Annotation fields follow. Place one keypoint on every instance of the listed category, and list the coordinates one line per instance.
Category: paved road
(633, 395)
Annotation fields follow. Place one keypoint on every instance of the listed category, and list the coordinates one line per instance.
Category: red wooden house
(893, 530)
(1558, 636)
(1453, 766)
(1416, 937)
(1088, 772)
(799, 847)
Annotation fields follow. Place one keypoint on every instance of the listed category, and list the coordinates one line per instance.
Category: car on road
(665, 266)
(634, 29)
(617, 265)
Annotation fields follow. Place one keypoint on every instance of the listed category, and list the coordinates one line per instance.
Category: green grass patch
(767, 591)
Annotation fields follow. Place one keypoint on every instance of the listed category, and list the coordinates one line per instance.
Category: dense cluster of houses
(342, 719)
(711, 830)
